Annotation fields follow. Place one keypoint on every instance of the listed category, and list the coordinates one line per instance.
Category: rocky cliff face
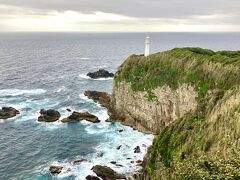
(190, 98)
(151, 116)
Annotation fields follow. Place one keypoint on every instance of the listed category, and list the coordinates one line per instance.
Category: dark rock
(107, 173)
(77, 117)
(119, 165)
(99, 154)
(102, 98)
(8, 112)
(113, 162)
(137, 149)
(132, 162)
(55, 169)
(101, 73)
(128, 158)
(120, 130)
(49, 115)
(69, 110)
(138, 161)
(119, 147)
(89, 177)
(77, 162)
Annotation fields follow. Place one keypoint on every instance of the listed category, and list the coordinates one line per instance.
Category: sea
(48, 70)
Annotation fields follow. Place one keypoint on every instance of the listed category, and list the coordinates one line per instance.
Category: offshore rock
(8, 112)
(101, 73)
(55, 169)
(137, 149)
(77, 117)
(89, 177)
(49, 115)
(107, 173)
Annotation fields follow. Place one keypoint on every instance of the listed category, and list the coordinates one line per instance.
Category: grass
(200, 145)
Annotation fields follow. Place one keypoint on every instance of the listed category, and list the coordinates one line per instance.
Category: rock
(77, 162)
(102, 98)
(137, 149)
(101, 73)
(55, 169)
(132, 162)
(139, 161)
(77, 117)
(119, 147)
(107, 173)
(113, 162)
(119, 165)
(99, 154)
(49, 115)
(120, 130)
(89, 177)
(8, 112)
(69, 110)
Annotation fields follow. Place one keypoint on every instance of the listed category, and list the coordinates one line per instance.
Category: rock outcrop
(77, 117)
(55, 169)
(8, 112)
(107, 173)
(101, 73)
(102, 98)
(134, 109)
(89, 177)
(49, 115)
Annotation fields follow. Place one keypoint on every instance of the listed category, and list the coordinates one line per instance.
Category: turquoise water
(46, 70)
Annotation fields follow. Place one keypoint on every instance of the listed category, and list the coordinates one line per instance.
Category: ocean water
(48, 70)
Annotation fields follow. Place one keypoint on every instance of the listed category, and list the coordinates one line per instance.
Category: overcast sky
(120, 15)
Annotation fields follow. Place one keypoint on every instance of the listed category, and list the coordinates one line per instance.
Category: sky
(120, 15)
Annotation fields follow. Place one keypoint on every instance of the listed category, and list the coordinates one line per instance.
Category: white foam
(60, 89)
(128, 139)
(84, 58)
(84, 76)
(102, 79)
(17, 92)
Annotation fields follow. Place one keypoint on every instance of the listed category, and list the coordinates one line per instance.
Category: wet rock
(102, 98)
(77, 117)
(49, 115)
(107, 173)
(137, 149)
(55, 169)
(89, 177)
(119, 165)
(8, 112)
(69, 110)
(77, 162)
(113, 162)
(101, 73)
(132, 162)
(119, 147)
(139, 161)
(120, 130)
(99, 154)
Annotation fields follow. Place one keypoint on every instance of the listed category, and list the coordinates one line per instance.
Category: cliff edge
(190, 98)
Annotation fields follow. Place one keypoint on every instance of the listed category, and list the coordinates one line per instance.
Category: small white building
(147, 46)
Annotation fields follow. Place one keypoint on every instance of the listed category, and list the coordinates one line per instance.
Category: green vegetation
(203, 144)
(196, 66)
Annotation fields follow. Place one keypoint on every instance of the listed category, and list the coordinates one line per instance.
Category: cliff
(190, 98)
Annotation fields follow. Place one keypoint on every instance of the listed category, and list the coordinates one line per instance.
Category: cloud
(119, 15)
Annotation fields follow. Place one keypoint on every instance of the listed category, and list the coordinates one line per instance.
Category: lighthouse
(147, 46)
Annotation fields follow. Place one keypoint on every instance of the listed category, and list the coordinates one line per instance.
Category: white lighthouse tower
(147, 46)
